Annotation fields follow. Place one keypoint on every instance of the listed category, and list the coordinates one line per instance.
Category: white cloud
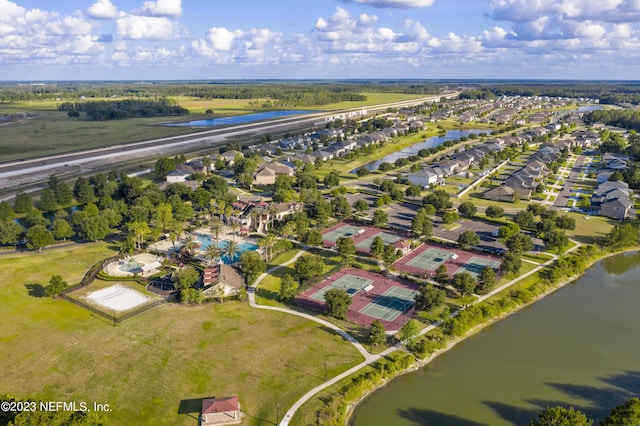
(222, 38)
(170, 8)
(224, 46)
(399, 4)
(136, 27)
(103, 9)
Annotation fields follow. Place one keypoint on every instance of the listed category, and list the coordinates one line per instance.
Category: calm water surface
(578, 346)
(239, 119)
(427, 143)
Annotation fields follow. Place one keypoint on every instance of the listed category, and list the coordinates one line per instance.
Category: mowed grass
(156, 367)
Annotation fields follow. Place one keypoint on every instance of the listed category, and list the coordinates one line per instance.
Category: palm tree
(235, 226)
(288, 230)
(191, 244)
(216, 227)
(211, 253)
(231, 249)
(139, 231)
(256, 219)
(272, 211)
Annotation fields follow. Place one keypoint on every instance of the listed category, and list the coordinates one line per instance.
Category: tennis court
(386, 238)
(476, 264)
(431, 258)
(343, 231)
(391, 304)
(350, 283)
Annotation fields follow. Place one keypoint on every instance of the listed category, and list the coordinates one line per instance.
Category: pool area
(131, 267)
(206, 241)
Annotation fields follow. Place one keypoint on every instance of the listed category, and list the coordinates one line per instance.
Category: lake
(578, 346)
(239, 119)
(427, 143)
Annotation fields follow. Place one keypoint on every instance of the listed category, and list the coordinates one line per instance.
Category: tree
(566, 222)
(508, 230)
(377, 247)
(623, 235)
(347, 249)
(440, 199)
(556, 240)
(413, 191)
(561, 416)
(340, 207)
(83, 191)
(231, 249)
(449, 217)
(191, 296)
(429, 297)
(10, 232)
(421, 223)
(409, 331)
(338, 302)
(487, 278)
(308, 267)
(6, 212)
(63, 193)
(494, 211)
(377, 333)
(362, 172)
(465, 283)
(313, 237)
(524, 218)
(252, 265)
(467, 209)
(139, 231)
(56, 286)
(379, 217)
(61, 229)
(627, 414)
(288, 289)
(185, 277)
(47, 201)
(442, 276)
(332, 179)
(211, 253)
(389, 255)
(38, 237)
(468, 238)
(511, 263)
(519, 243)
(361, 205)
(23, 203)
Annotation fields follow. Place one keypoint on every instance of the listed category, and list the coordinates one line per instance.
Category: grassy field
(51, 132)
(154, 368)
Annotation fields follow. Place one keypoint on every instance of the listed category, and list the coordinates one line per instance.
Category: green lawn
(154, 368)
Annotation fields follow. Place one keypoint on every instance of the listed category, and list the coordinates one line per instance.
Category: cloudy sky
(216, 39)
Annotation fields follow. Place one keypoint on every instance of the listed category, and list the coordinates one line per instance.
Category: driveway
(563, 197)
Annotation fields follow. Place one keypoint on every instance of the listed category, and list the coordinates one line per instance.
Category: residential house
(222, 281)
(229, 157)
(180, 174)
(220, 411)
(423, 178)
(500, 193)
(266, 174)
(617, 208)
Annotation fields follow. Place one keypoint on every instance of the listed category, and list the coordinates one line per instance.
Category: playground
(373, 296)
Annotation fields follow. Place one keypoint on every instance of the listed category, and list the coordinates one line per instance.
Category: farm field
(153, 368)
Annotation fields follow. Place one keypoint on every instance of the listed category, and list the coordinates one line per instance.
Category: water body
(577, 347)
(239, 119)
(427, 143)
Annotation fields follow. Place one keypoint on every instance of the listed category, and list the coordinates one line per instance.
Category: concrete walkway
(369, 358)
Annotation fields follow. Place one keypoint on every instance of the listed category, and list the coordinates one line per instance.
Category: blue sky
(247, 39)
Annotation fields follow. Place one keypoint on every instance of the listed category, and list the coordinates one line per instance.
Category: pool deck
(144, 258)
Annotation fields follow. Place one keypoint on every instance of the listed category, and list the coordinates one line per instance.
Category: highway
(16, 175)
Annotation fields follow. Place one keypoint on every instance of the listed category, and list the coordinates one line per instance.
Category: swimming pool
(131, 267)
(206, 241)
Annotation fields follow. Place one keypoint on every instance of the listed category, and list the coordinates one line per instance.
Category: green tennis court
(475, 265)
(349, 283)
(430, 259)
(386, 238)
(391, 304)
(343, 231)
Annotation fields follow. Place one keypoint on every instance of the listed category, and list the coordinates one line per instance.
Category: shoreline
(475, 330)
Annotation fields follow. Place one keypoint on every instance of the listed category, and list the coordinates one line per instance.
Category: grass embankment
(154, 368)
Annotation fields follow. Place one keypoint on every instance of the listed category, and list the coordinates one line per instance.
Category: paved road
(572, 179)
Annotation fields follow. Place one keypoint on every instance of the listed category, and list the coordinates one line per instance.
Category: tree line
(121, 109)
